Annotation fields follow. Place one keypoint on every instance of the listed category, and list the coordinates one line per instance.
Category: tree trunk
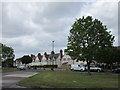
(47, 61)
(73, 61)
(88, 65)
(111, 66)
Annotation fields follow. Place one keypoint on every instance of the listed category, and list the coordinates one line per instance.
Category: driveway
(10, 79)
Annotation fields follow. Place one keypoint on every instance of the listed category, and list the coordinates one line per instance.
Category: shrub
(50, 66)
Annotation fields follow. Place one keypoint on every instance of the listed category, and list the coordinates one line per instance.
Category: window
(64, 59)
(68, 58)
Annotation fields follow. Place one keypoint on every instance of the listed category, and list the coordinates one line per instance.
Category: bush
(50, 66)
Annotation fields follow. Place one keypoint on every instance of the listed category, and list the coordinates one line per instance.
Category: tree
(116, 55)
(26, 59)
(7, 63)
(7, 52)
(109, 56)
(86, 37)
(6, 55)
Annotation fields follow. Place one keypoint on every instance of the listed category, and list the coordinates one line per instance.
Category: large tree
(87, 35)
(26, 59)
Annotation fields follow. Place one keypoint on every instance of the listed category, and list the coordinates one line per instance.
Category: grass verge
(9, 70)
(71, 80)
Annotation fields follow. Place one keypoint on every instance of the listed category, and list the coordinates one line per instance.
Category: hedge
(45, 66)
(50, 66)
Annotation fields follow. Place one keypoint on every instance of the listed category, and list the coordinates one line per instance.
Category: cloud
(107, 12)
(30, 28)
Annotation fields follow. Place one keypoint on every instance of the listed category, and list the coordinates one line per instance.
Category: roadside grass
(71, 80)
(8, 69)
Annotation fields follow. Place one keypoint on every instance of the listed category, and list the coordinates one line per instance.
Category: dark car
(117, 70)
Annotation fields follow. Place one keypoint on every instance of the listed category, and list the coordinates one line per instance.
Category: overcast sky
(30, 27)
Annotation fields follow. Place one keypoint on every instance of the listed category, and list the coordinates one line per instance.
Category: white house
(58, 59)
(68, 60)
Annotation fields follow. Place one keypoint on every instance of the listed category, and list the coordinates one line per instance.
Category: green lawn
(9, 70)
(71, 80)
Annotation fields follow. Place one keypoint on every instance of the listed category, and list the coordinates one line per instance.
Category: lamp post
(52, 45)
(52, 52)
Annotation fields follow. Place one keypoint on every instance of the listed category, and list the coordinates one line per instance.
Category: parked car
(76, 67)
(116, 70)
(95, 69)
(22, 67)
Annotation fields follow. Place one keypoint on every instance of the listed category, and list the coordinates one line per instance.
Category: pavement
(10, 79)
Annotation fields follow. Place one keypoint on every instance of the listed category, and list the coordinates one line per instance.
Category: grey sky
(30, 28)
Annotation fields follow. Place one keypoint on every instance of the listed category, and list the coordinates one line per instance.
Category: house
(17, 62)
(67, 60)
(56, 59)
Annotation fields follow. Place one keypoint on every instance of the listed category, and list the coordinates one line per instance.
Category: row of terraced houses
(58, 59)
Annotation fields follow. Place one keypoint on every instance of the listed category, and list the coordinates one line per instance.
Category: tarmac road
(10, 79)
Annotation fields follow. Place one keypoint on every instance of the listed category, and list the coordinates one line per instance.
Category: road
(10, 79)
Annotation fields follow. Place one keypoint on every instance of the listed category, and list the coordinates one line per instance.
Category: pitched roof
(18, 59)
(56, 55)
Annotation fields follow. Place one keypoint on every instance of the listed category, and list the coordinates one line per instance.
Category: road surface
(10, 79)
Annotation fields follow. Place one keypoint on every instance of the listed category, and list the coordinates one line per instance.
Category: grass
(9, 70)
(71, 80)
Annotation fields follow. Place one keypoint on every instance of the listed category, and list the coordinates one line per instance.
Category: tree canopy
(6, 52)
(87, 35)
(26, 59)
(108, 55)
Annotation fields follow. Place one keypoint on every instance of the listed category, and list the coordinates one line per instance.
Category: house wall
(66, 58)
(18, 63)
(58, 61)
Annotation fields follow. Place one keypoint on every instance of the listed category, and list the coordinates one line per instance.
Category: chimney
(61, 54)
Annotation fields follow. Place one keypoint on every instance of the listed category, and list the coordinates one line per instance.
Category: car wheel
(81, 70)
(98, 70)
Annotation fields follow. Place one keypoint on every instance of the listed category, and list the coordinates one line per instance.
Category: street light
(52, 52)
(52, 45)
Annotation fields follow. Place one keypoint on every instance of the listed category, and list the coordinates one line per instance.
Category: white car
(77, 67)
(22, 67)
